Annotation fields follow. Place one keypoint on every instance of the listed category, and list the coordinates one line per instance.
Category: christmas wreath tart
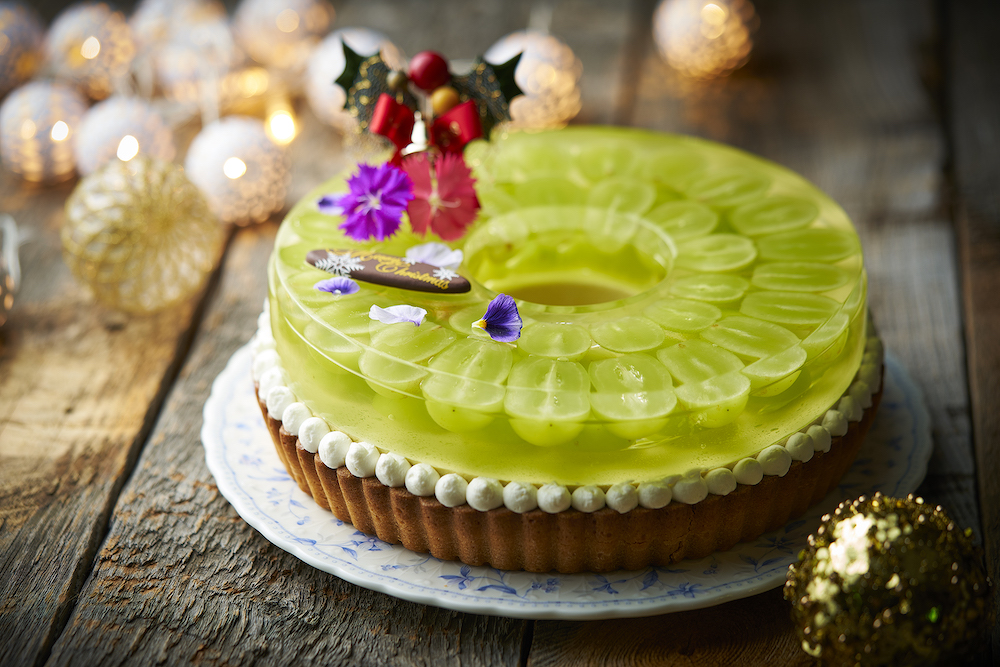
(578, 350)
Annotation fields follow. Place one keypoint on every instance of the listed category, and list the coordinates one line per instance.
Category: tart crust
(570, 541)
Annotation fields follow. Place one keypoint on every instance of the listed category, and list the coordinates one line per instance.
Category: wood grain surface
(115, 544)
(973, 109)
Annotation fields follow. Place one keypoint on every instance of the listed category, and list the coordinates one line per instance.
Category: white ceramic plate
(250, 475)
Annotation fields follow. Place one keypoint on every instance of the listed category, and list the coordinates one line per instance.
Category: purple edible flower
(501, 321)
(374, 203)
(338, 286)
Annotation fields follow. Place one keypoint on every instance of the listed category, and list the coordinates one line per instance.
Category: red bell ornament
(429, 70)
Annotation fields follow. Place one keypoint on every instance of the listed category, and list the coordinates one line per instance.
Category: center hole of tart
(568, 256)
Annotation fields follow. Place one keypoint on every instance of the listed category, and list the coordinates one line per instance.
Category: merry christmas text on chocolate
(388, 270)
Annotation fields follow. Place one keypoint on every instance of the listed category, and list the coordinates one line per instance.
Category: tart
(695, 367)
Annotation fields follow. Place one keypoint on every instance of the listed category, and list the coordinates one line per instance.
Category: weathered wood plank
(973, 106)
(834, 91)
(78, 384)
(182, 578)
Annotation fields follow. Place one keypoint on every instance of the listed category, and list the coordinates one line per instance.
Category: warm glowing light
(90, 48)
(234, 168)
(281, 127)
(128, 148)
(59, 131)
(28, 129)
(288, 20)
(704, 39)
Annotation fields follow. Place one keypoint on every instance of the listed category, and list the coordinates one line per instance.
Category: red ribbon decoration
(450, 131)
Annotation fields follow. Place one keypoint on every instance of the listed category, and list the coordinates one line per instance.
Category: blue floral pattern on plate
(249, 474)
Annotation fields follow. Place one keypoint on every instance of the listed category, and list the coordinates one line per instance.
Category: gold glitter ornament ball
(242, 172)
(890, 581)
(38, 122)
(548, 73)
(140, 235)
(91, 45)
(21, 37)
(121, 127)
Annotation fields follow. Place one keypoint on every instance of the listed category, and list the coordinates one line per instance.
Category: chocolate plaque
(388, 270)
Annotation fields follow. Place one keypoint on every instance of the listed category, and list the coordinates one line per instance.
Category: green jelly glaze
(685, 305)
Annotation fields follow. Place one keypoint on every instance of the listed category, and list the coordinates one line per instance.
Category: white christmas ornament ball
(704, 40)
(204, 52)
(21, 35)
(243, 174)
(281, 33)
(92, 46)
(155, 22)
(548, 73)
(37, 126)
(326, 63)
(121, 127)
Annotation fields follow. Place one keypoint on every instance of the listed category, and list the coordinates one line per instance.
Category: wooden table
(115, 544)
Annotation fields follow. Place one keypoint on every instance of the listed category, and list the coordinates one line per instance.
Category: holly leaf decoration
(370, 81)
(352, 63)
(505, 77)
(490, 88)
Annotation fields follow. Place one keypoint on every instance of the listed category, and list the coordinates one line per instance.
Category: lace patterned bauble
(201, 54)
(242, 172)
(548, 73)
(155, 22)
(704, 40)
(21, 36)
(281, 33)
(121, 127)
(37, 126)
(140, 235)
(90, 45)
(326, 63)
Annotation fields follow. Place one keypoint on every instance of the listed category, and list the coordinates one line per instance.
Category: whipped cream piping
(336, 449)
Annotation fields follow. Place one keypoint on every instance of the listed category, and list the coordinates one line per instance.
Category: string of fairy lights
(98, 89)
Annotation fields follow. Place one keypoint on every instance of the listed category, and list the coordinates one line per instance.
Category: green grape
(343, 328)
(716, 253)
(695, 361)
(622, 195)
(684, 219)
(634, 392)
(469, 374)
(520, 162)
(391, 364)
(675, 167)
(712, 288)
(748, 337)
(556, 341)
(682, 315)
(767, 371)
(829, 338)
(789, 308)
(773, 215)
(546, 397)
(725, 190)
(495, 201)
(799, 277)
(809, 245)
(628, 334)
(456, 418)
(549, 191)
(716, 401)
(603, 161)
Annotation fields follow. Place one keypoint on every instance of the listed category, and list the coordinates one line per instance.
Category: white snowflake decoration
(445, 274)
(339, 265)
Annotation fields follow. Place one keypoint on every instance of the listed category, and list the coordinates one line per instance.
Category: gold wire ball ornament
(548, 73)
(90, 45)
(140, 235)
(242, 172)
(21, 37)
(37, 126)
(121, 128)
(326, 63)
(155, 22)
(704, 39)
(282, 33)
(890, 581)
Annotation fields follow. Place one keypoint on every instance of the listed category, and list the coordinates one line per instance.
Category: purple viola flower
(501, 321)
(374, 204)
(338, 286)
